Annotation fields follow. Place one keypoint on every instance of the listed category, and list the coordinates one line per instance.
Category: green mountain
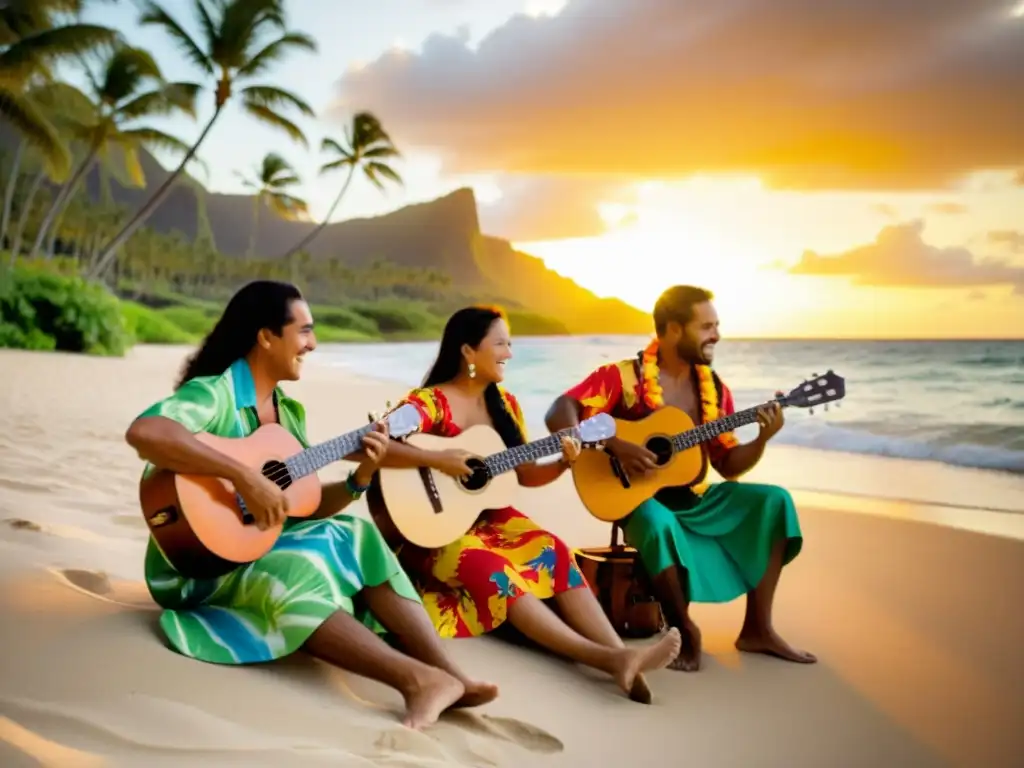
(442, 235)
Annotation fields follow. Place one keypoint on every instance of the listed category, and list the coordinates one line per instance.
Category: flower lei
(649, 371)
(652, 391)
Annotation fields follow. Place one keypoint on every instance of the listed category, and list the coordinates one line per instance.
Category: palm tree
(33, 37)
(129, 88)
(367, 146)
(271, 180)
(234, 50)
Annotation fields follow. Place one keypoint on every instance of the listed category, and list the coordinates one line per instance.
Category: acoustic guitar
(430, 509)
(201, 522)
(669, 433)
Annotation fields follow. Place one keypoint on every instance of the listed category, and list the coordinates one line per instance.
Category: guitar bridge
(619, 471)
(431, 489)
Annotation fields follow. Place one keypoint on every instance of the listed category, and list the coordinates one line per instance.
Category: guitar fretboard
(713, 429)
(318, 456)
(511, 458)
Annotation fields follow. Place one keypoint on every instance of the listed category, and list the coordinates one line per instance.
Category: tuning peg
(826, 406)
(810, 411)
(814, 375)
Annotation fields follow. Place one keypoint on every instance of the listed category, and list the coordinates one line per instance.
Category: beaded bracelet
(355, 490)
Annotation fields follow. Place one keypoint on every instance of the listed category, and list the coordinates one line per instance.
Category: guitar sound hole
(479, 478)
(662, 448)
(277, 472)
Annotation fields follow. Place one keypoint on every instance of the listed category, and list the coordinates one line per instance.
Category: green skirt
(723, 538)
(269, 608)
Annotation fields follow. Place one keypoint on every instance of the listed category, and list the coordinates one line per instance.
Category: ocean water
(956, 402)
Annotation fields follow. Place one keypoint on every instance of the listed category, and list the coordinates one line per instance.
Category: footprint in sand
(96, 583)
(19, 524)
(19, 485)
(529, 737)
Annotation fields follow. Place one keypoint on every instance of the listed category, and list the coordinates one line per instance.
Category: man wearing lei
(710, 547)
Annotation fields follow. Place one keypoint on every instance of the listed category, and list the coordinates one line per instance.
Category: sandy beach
(912, 608)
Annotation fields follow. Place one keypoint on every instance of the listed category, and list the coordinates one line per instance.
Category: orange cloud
(951, 209)
(899, 256)
(550, 207)
(805, 93)
(1008, 237)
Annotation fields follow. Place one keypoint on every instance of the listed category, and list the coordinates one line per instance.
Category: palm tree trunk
(136, 221)
(26, 209)
(12, 182)
(62, 199)
(319, 227)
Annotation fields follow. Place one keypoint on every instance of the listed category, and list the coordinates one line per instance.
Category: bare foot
(641, 692)
(771, 644)
(654, 656)
(428, 697)
(477, 693)
(688, 659)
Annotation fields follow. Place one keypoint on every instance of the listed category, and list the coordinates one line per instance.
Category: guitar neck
(511, 458)
(713, 429)
(316, 457)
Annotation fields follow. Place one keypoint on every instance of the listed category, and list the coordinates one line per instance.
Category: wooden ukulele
(430, 509)
(201, 523)
(669, 433)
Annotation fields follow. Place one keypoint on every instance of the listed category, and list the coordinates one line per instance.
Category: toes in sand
(431, 696)
(650, 657)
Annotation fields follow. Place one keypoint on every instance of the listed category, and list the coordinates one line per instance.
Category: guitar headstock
(402, 420)
(597, 428)
(817, 390)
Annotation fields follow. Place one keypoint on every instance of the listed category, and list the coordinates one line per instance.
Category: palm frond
(327, 144)
(174, 97)
(154, 139)
(271, 118)
(275, 98)
(132, 165)
(338, 164)
(381, 151)
(274, 51)
(154, 15)
(287, 206)
(125, 72)
(375, 172)
(26, 55)
(29, 121)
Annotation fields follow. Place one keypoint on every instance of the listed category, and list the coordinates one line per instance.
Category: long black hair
(257, 305)
(469, 326)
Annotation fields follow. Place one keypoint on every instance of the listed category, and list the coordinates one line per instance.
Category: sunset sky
(841, 168)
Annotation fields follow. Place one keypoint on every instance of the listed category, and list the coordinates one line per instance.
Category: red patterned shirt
(616, 389)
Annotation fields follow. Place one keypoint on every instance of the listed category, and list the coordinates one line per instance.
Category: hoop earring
(472, 370)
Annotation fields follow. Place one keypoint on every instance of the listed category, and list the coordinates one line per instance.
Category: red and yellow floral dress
(467, 586)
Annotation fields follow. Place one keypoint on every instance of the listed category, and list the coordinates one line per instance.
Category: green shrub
(393, 318)
(151, 326)
(194, 320)
(329, 334)
(43, 307)
(343, 318)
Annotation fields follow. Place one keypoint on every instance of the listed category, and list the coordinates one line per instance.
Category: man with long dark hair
(330, 585)
(734, 538)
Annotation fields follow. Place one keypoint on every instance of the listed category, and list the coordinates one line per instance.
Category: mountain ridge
(442, 234)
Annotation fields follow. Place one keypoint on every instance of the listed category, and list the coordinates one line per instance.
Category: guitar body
(430, 509)
(196, 519)
(602, 490)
